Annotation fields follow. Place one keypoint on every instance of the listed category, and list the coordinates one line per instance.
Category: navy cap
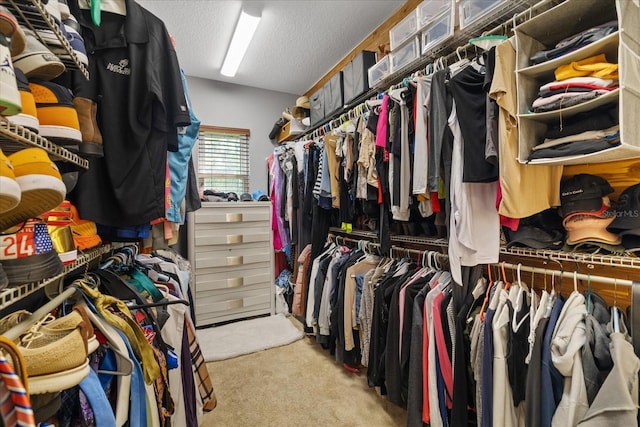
(627, 211)
(583, 193)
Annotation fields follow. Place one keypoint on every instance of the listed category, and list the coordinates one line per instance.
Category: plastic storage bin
(405, 55)
(472, 10)
(379, 71)
(438, 31)
(404, 30)
(430, 10)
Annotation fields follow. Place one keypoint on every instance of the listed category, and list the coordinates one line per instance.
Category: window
(223, 159)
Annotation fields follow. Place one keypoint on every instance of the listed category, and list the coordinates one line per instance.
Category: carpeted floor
(297, 385)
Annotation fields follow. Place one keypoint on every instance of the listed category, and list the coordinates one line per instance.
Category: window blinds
(223, 159)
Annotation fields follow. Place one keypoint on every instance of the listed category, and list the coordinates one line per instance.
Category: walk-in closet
(329, 213)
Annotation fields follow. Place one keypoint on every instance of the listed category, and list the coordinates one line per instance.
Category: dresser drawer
(233, 301)
(232, 255)
(232, 278)
(236, 213)
(229, 234)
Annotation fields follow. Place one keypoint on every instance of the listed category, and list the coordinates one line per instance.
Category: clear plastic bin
(429, 10)
(405, 55)
(379, 71)
(437, 32)
(472, 10)
(404, 30)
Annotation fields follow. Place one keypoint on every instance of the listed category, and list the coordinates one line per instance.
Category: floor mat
(247, 336)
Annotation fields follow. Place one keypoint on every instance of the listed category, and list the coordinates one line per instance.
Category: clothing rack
(567, 274)
(420, 67)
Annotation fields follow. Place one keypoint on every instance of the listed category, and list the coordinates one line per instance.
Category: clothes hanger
(614, 308)
(507, 284)
(460, 63)
(483, 308)
(486, 42)
(589, 301)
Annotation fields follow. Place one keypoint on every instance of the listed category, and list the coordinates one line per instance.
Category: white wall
(223, 104)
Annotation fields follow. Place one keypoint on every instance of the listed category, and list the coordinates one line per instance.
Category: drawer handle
(234, 217)
(234, 238)
(236, 282)
(236, 303)
(234, 260)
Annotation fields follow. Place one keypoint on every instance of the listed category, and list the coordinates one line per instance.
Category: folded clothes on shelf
(596, 119)
(575, 42)
(577, 148)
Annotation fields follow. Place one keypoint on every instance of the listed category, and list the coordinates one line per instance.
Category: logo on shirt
(121, 67)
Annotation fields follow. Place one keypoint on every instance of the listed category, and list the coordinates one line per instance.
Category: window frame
(240, 157)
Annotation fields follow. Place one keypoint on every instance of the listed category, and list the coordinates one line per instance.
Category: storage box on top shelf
(316, 102)
(355, 75)
(438, 29)
(622, 47)
(405, 55)
(333, 94)
(291, 130)
(379, 71)
(431, 10)
(404, 30)
(471, 11)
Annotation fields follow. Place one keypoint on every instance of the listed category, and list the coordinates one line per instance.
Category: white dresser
(231, 251)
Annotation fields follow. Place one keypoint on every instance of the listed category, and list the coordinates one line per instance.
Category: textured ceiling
(296, 44)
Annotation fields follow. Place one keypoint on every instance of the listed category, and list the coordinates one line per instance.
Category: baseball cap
(631, 239)
(583, 193)
(260, 196)
(627, 211)
(232, 197)
(246, 197)
(588, 228)
(533, 237)
(542, 230)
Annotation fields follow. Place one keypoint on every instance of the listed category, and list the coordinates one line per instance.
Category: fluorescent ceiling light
(246, 28)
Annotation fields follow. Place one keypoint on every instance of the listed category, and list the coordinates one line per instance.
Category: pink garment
(383, 123)
(510, 223)
(441, 347)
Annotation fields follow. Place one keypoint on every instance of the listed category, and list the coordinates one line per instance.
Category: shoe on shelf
(28, 118)
(91, 137)
(27, 254)
(4, 280)
(75, 41)
(10, 28)
(85, 233)
(59, 228)
(55, 353)
(9, 94)
(53, 7)
(63, 6)
(9, 188)
(49, 37)
(41, 186)
(56, 113)
(36, 61)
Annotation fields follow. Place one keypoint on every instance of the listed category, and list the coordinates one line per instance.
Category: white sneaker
(9, 95)
(53, 8)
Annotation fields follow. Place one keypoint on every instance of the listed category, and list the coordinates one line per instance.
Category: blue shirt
(179, 160)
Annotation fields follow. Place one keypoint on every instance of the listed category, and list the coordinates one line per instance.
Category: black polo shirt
(135, 80)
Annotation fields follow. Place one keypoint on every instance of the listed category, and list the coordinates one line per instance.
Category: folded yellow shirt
(595, 66)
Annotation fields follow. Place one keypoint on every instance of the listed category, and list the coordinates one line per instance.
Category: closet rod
(567, 274)
(430, 58)
(14, 333)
